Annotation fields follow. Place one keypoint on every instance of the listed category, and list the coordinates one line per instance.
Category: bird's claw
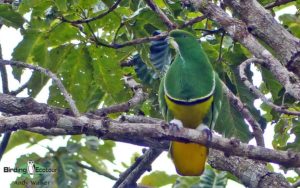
(175, 125)
(204, 129)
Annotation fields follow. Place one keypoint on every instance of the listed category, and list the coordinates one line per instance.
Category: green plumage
(190, 92)
(190, 77)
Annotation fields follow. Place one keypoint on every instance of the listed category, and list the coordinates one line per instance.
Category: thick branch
(59, 84)
(256, 91)
(16, 105)
(146, 135)
(238, 31)
(263, 25)
(251, 173)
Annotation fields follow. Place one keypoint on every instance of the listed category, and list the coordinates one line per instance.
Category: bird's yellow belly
(191, 115)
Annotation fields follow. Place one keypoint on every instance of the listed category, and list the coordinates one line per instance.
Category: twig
(5, 90)
(192, 21)
(102, 173)
(277, 3)
(51, 75)
(4, 143)
(4, 78)
(20, 89)
(139, 40)
(117, 31)
(256, 91)
(138, 168)
(161, 14)
(221, 45)
(113, 7)
(138, 97)
(235, 101)
(145, 134)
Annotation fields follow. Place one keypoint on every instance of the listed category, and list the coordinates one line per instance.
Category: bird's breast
(190, 113)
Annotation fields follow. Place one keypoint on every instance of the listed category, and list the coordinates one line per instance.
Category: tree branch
(263, 25)
(5, 90)
(137, 169)
(256, 91)
(277, 3)
(192, 21)
(145, 135)
(20, 89)
(250, 173)
(19, 105)
(239, 31)
(235, 101)
(138, 97)
(149, 125)
(161, 14)
(113, 7)
(101, 173)
(59, 84)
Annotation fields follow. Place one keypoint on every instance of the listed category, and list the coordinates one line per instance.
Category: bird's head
(181, 39)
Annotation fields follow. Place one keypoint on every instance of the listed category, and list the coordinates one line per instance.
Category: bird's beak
(173, 43)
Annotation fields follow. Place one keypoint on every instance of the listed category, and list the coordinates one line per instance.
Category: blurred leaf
(186, 181)
(158, 179)
(281, 135)
(69, 174)
(24, 137)
(23, 51)
(271, 83)
(9, 17)
(209, 179)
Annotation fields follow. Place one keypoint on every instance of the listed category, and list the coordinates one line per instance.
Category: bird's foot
(175, 125)
(204, 129)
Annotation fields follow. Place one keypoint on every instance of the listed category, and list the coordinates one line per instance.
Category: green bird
(190, 95)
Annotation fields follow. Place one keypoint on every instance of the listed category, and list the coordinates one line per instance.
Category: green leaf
(271, 83)
(63, 33)
(211, 179)
(23, 51)
(61, 5)
(186, 181)
(158, 179)
(231, 123)
(9, 17)
(281, 135)
(107, 73)
(23, 137)
(69, 174)
(76, 72)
